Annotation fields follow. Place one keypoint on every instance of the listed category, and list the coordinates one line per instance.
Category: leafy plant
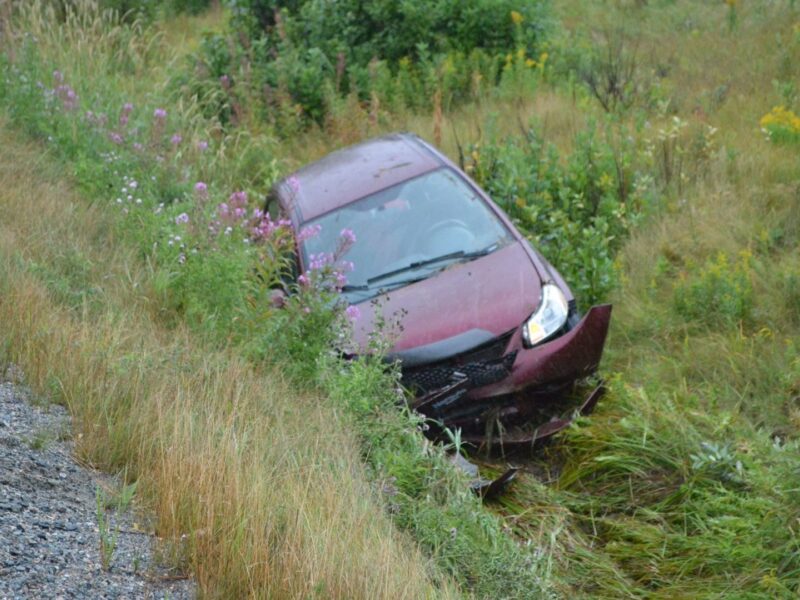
(720, 462)
(612, 72)
(303, 54)
(108, 537)
(577, 212)
(781, 125)
(719, 293)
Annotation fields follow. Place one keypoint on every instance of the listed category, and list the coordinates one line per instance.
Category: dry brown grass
(558, 120)
(258, 490)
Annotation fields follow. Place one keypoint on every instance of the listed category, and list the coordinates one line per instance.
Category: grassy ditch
(157, 171)
(674, 195)
(257, 489)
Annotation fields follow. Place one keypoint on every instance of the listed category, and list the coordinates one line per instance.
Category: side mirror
(277, 298)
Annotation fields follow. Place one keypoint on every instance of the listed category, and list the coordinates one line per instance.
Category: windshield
(409, 232)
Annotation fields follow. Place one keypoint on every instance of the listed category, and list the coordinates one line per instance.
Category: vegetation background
(649, 148)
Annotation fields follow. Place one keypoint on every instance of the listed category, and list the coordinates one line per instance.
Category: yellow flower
(781, 118)
(605, 182)
(745, 255)
(520, 202)
(543, 57)
(530, 63)
(516, 17)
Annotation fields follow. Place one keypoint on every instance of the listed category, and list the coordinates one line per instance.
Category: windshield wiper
(430, 261)
(363, 287)
(355, 287)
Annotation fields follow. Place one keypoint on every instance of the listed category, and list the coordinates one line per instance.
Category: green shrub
(719, 293)
(393, 29)
(577, 211)
(147, 9)
(301, 52)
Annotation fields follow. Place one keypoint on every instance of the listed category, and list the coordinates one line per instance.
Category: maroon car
(489, 329)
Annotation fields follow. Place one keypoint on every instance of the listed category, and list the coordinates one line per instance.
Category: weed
(781, 125)
(299, 57)
(42, 438)
(108, 537)
(720, 462)
(120, 500)
(612, 73)
(719, 293)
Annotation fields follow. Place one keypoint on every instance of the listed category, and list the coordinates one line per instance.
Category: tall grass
(209, 294)
(684, 481)
(258, 490)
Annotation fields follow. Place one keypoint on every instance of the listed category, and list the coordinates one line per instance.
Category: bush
(577, 212)
(719, 293)
(402, 52)
(393, 29)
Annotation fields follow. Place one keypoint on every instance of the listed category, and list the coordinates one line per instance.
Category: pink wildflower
(201, 189)
(352, 312)
(238, 199)
(319, 261)
(182, 219)
(68, 97)
(309, 232)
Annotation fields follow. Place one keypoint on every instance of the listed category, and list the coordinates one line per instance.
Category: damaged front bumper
(500, 385)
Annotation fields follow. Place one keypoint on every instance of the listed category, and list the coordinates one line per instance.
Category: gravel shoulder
(50, 541)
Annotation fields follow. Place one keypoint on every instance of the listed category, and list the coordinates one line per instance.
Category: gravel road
(49, 534)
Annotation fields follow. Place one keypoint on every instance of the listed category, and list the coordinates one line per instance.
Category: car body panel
(503, 290)
(575, 354)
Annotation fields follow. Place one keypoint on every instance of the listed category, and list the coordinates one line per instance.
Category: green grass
(684, 482)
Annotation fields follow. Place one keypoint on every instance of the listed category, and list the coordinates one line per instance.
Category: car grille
(481, 366)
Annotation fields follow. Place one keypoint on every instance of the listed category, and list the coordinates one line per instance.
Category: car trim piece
(443, 349)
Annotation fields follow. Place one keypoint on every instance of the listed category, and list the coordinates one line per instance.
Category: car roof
(355, 172)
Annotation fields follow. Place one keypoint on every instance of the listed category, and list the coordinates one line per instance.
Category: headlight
(548, 318)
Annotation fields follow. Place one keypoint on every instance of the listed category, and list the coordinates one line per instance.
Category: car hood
(461, 307)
